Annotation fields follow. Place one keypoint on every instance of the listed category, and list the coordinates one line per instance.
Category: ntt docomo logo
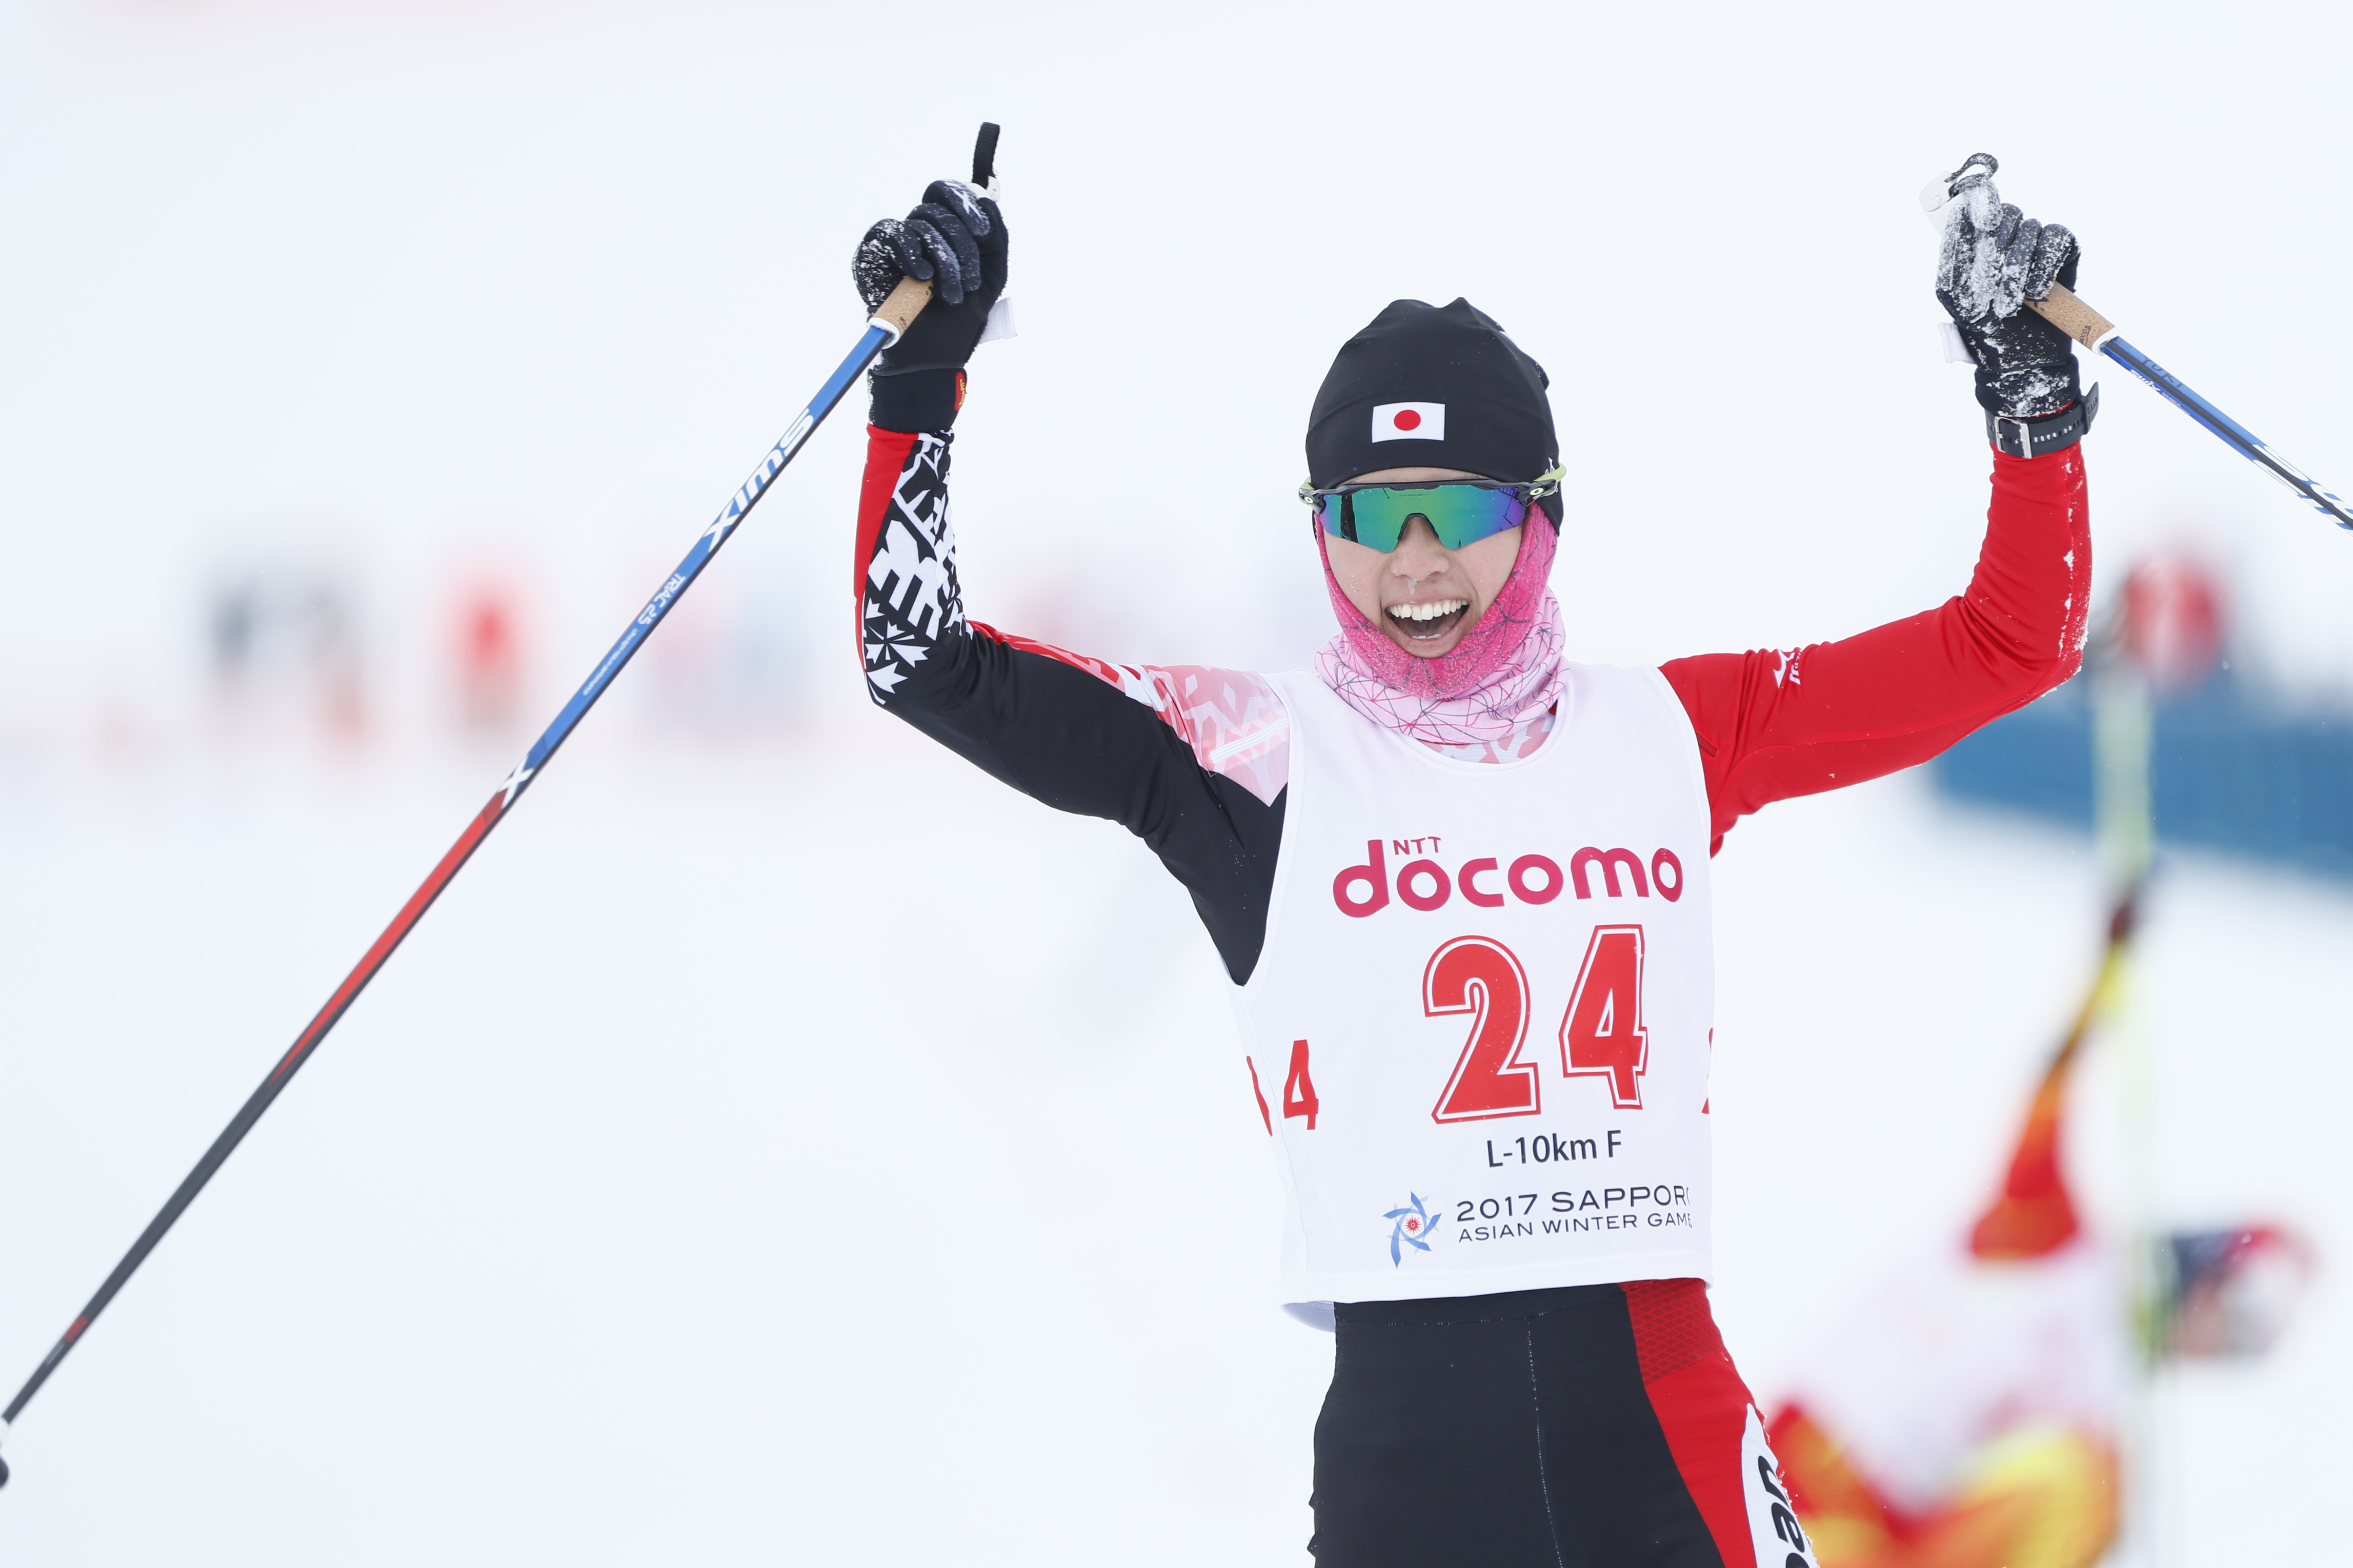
(1423, 884)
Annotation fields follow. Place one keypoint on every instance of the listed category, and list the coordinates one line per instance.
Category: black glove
(1994, 259)
(954, 239)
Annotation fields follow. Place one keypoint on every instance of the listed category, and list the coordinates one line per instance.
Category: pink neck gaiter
(1505, 669)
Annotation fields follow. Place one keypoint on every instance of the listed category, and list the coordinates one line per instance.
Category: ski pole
(2069, 313)
(883, 329)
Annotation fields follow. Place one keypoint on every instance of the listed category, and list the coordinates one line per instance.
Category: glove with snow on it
(1993, 260)
(955, 241)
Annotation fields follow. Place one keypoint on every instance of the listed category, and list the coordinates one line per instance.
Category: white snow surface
(755, 1158)
(785, 1144)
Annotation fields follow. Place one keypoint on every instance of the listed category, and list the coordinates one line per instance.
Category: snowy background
(783, 1145)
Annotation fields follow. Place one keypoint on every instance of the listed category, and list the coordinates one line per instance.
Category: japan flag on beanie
(1400, 378)
(1408, 422)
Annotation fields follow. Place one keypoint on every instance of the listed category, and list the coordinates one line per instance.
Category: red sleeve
(886, 459)
(1776, 724)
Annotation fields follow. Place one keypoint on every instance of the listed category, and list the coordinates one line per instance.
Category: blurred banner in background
(2237, 763)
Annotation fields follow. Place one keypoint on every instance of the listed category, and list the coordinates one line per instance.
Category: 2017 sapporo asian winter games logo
(1408, 1227)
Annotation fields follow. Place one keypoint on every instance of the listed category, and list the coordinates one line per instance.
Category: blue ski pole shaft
(882, 330)
(2070, 314)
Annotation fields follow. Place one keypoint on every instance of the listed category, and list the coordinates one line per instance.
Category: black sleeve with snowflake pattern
(1051, 730)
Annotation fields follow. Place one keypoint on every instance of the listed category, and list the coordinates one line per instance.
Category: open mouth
(1429, 622)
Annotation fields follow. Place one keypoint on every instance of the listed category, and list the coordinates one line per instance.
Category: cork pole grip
(905, 302)
(2067, 312)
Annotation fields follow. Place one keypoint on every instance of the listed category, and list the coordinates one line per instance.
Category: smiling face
(1422, 595)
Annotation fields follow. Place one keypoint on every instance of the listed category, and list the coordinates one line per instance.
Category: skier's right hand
(954, 239)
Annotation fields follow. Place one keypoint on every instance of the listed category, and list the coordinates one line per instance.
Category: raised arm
(1778, 723)
(1191, 760)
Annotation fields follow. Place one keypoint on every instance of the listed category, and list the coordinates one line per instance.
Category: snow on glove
(1993, 260)
(954, 240)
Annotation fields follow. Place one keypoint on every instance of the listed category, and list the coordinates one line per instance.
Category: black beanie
(1432, 387)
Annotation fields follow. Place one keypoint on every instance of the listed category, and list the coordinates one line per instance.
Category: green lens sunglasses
(1459, 511)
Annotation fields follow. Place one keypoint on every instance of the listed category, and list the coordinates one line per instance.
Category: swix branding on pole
(871, 342)
(881, 330)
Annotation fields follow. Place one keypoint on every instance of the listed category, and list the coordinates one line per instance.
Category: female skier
(1459, 885)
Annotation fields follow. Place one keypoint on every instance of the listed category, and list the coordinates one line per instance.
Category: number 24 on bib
(1601, 1034)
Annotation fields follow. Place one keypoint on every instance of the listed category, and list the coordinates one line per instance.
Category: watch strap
(2041, 437)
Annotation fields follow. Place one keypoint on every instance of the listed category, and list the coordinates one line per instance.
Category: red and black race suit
(1770, 723)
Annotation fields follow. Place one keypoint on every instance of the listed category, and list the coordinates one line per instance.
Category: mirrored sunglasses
(1459, 511)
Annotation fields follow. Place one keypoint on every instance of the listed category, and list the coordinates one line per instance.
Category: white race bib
(1480, 1023)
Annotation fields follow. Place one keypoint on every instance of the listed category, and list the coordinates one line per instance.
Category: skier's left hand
(1993, 260)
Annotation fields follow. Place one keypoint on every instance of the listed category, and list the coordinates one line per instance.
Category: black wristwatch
(2041, 437)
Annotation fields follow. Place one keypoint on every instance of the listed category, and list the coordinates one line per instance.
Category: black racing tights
(1593, 1427)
